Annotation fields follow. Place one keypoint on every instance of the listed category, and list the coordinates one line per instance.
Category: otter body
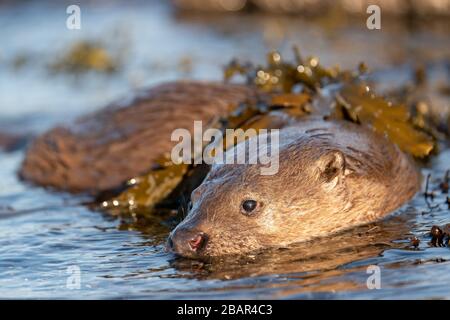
(101, 151)
(332, 175)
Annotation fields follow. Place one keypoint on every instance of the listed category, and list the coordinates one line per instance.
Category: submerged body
(333, 175)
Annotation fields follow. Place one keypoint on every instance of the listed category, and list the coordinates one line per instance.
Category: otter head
(237, 210)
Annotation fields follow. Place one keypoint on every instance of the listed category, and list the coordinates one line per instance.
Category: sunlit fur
(333, 175)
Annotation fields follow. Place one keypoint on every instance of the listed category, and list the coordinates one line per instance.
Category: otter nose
(197, 241)
(187, 243)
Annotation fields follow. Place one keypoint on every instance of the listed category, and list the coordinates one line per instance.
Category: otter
(102, 150)
(333, 175)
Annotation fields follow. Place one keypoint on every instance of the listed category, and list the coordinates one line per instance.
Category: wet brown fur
(333, 175)
(369, 178)
(102, 150)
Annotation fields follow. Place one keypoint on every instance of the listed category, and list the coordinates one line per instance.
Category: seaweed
(292, 89)
(384, 117)
(280, 76)
(354, 100)
(146, 191)
(86, 56)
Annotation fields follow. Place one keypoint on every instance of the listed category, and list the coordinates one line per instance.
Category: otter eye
(248, 206)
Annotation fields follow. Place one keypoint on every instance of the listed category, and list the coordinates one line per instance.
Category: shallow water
(43, 233)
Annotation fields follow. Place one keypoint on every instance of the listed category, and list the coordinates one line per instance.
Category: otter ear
(331, 167)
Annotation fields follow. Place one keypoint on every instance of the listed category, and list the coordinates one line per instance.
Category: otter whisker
(184, 207)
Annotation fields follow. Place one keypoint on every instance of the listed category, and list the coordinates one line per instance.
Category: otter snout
(187, 243)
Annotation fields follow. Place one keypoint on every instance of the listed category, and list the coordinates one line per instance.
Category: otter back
(379, 176)
(104, 149)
